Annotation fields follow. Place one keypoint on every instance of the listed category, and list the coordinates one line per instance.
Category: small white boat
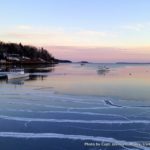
(103, 68)
(17, 73)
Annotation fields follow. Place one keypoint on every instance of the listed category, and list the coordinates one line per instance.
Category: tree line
(25, 51)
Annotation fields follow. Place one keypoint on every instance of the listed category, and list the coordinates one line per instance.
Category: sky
(92, 30)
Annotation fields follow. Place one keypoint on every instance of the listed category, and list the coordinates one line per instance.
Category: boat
(17, 73)
(102, 70)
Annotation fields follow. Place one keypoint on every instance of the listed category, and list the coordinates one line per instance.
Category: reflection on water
(18, 81)
(37, 77)
(122, 81)
(40, 73)
(39, 69)
(102, 72)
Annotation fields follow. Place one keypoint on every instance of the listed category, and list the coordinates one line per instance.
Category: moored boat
(17, 73)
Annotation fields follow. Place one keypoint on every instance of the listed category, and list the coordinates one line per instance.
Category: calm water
(74, 107)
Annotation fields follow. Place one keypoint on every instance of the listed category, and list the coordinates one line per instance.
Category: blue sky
(80, 13)
(79, 24)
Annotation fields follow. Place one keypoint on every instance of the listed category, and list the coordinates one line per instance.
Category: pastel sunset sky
(92, 30)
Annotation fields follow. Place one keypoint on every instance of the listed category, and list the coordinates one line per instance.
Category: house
(13, 57)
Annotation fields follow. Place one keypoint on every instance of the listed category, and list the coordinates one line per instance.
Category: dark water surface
(74, 107)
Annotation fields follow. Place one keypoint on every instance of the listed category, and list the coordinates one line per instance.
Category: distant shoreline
(132, 63)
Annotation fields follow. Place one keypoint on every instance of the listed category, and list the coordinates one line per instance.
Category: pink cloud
(98, 54)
